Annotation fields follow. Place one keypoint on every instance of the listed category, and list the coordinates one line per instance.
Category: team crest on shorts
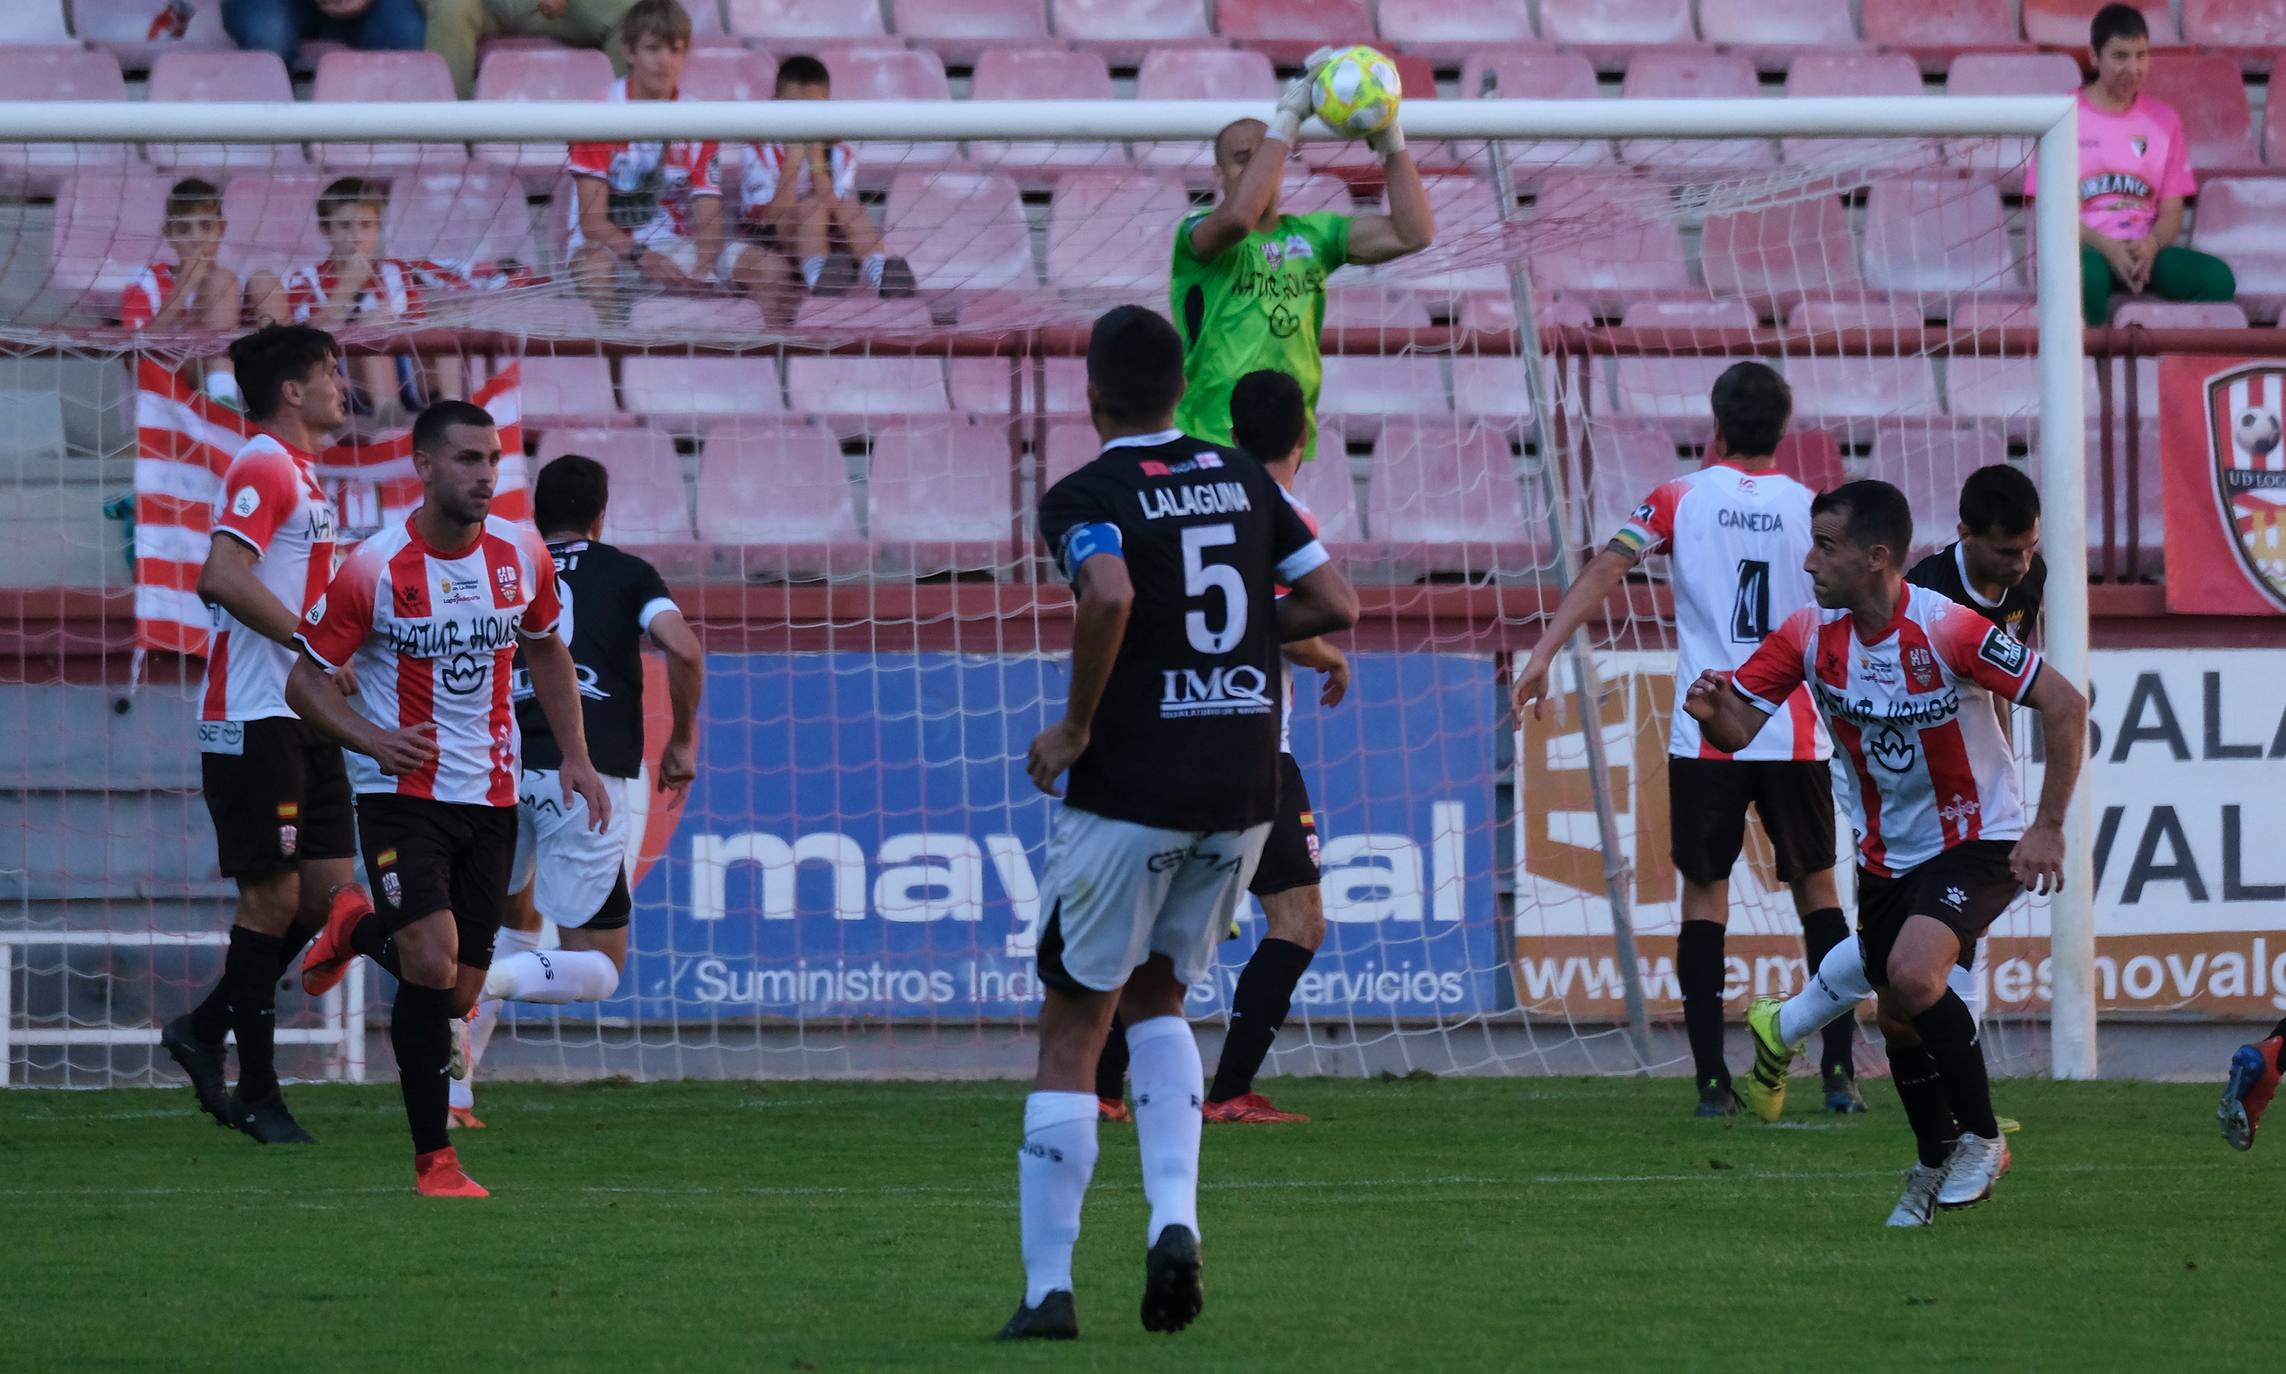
(289, 839)
(392, 889)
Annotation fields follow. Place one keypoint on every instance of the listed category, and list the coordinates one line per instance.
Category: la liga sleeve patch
(2003, 651)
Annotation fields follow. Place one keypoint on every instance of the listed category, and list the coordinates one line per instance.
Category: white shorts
(575, 868)
(1118, 893)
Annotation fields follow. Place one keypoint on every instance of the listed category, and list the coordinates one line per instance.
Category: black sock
(1921, 1087)
(1821, 931)
(210, 1019)
(250, 982)
(420, 1030)
(372, 938)
(1948, 1032)
(290, 946)
(1265, 994)
(1699, 972)
(1111, 1068)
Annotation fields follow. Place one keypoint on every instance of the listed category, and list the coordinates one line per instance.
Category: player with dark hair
(570, 872)
(195, 291)
(1173, 546)
(1944, 845)
(276, 789)
(1738, 530)
(431, 612)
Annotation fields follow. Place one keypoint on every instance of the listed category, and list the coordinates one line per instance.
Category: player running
(2253, 1082)
(277, 790)
(1173, 546)
(430, 612)
(1738, 530)
(1249, 282)
(566, 870)
(1994, 569)
(1901, 676)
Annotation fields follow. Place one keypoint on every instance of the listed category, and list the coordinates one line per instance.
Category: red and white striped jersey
(1928, 766)
(1737, 539)
(141, 299)
(651, 185)
(399, 287)
(761, 165)
(271, 502)
(433, 635)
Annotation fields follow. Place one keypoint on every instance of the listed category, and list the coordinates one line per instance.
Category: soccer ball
(1357, 92)
(2256, 432)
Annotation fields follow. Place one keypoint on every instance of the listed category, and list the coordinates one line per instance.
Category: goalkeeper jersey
(1259, 304)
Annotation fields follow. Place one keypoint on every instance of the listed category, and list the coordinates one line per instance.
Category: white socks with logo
(1169, 1085)
(1052, 1172)
(1840, 984)
(555, 977)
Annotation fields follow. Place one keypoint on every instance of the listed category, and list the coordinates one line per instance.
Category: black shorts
(1290, 856)
(1966, 887)
(1706, 814)
(279, 795)
(425, 856)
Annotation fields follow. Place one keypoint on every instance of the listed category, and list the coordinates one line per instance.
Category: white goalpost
(842, 496)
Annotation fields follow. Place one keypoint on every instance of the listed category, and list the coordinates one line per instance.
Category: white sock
(487, 1019)
(558, 976)
(459, 1096)
(874, 263)
(1052, 1171)
(1170, 1083)
(1963, 982)
(1838, 985)
(812, 266)
(223, 386)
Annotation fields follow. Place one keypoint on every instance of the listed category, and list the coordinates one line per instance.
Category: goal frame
(2052, 121)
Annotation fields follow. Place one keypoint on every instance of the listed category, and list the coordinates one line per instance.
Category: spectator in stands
(194, 291)
(358, 284)
(650, 212)
(456, 27)
(2135, 170)
(282, 26)
(798, 202)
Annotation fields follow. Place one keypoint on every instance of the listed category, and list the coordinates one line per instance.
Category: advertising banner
(2224, 484)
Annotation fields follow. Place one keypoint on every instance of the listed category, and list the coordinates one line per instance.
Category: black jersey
(1186, 737)
(2017, 611)
(609, 600)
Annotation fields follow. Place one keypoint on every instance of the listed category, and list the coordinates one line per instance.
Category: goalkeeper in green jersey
(1249, 283)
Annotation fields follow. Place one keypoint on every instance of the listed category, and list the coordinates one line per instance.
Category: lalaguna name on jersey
(1214, 498)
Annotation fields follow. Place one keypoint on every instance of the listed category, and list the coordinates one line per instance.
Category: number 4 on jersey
(1750, 612)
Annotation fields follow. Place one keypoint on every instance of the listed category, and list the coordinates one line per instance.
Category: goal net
(839, 484)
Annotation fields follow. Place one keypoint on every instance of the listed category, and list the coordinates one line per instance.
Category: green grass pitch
(1418, 1225)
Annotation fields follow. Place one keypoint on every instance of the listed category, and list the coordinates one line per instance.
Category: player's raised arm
(1594, 586)
(1258, 152)
(1410, 225)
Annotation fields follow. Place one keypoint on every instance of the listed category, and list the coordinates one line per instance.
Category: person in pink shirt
(2135, 171)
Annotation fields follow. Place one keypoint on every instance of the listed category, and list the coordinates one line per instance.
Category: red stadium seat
(942, 498)
(1632, 458)
(1673, 389)
(774, 502)
(1125, 31)
(369, 76)
(1617, 21)
(1850, 395)
(29, 22)
(1374, 307)
(1787, 22)
(271, 223)
(650, 506)
(1289, 29)
(1855, 75)
(1939, 23)
(1605, 242)
(850, 392)
(706, 20)
(1811, 457)
(1983, 385)
(1042, 73)
(2064, 23)
(886, 73)
(2149, 536)
(1192, 74)
(539, 74)
(961, 231)
(961, 32)
(51, 73)
(1327, 487)
(1360, 393)
(2153, 314)
(2235, 23)
(865, 314)
(1444, 498)
(791, 23)
(2207, 91)
(1700, 75)
(1534, 74)
(569, 391)
(463, 217)
(2238, 221)
(981, 386)
(1470, 235)
(1113, 234)
(729, 74)
(204, 75)
(1926, 236)
(123, 29)
(1448, 31)
(106, 233)
(1071, 446)
(684, 395)
(1776, 255)
(693, 316)
(1929, 463)
(1495, 389)
(2005, 73)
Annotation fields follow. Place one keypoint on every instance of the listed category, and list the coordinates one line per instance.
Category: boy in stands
(799, 203)
(357, 284)
(194, 291)
(2135, 170)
